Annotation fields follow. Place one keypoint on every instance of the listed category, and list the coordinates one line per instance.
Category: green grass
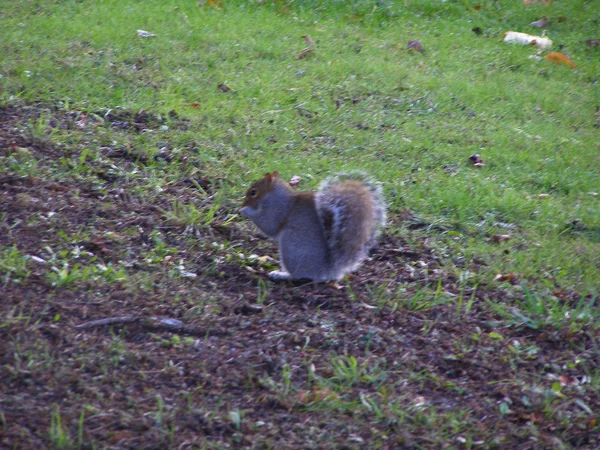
(127, 161)
(360, 101)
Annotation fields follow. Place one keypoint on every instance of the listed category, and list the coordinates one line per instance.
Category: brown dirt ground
(135, 386)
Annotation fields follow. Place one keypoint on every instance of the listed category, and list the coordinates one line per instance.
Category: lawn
(129, 132)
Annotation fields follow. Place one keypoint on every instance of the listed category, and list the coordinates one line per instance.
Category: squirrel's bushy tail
(353, 213)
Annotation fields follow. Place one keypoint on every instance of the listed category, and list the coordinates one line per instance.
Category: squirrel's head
(258, 190)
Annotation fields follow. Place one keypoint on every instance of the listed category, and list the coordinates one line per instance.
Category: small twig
(154, 324)
(108, 321)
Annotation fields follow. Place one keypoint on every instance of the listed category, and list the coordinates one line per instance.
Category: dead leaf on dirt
(566, 380)
(57, 187)
(593, 43)
(510, 277)
(295, 180)
(559, 58)
(145, 34)
(536, 417)
(415, 46)
(304, 53)
(544, 22)
(500, 237)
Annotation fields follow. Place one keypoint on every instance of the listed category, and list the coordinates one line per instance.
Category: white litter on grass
(145, 34)
(514, 37)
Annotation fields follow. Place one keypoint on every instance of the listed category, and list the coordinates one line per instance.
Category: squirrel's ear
(275, 173)
(268, 176)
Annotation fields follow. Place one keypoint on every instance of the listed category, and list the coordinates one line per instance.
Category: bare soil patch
(267, 372)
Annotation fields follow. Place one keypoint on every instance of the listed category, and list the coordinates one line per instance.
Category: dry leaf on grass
(304, 53)
(500, 237)
(415, 46)
(559, 58)
(212, 3)
(510, 277)
(308, 40)
(593, 43)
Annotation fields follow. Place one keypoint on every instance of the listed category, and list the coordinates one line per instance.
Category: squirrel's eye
(253, 193)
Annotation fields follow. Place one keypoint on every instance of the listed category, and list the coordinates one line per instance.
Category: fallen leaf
(510, 277)
(540, 23)
(195, 105)
(284, 9)
(304, 53)
(477, 7)
(559, 58)
(214, 3)
(500, 237)
(415, 46)
(537, 417)
(593, 43)
(566, 380)
(308, 40)
(145, 34)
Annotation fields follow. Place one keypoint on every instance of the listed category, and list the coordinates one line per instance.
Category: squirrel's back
(353, 213)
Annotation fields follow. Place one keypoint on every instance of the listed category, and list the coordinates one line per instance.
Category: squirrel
(322, 235)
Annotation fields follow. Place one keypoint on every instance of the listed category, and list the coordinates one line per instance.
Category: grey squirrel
(322, 235)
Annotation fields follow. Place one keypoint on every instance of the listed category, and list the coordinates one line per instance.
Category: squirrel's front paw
(279, 275)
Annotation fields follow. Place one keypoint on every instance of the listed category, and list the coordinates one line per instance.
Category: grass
(122, 165)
